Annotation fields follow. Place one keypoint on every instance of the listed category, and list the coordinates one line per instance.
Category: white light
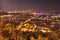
(9, 12)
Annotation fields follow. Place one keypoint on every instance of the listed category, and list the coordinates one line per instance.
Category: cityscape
(29, 20)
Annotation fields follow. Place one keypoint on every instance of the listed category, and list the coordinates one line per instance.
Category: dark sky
(36, 5)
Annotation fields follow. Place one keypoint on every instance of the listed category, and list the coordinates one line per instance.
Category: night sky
(36, 5)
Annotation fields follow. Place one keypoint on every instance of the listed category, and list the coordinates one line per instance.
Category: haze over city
(36, 5)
